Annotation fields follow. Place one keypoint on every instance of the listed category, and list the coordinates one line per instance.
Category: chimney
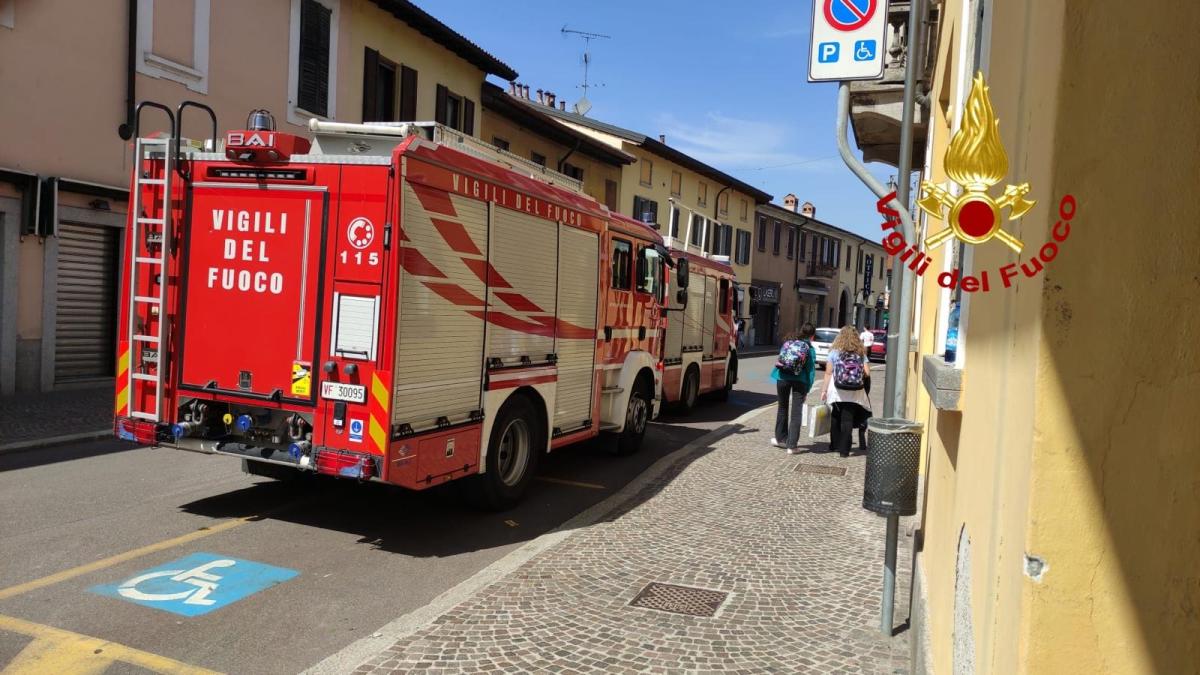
(512, 88)
(525, 92)
(662, 138)
(789, 202)
(541, 96)
(808, 210)
(562, 105)
(550, 99)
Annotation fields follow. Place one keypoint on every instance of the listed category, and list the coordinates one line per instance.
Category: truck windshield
(649, 271)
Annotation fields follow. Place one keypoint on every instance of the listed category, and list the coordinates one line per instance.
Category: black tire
(516, 443)
(690, 392)
(722, 394)
(637, 416)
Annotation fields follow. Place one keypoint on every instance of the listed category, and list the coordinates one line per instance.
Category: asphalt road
(78, 516)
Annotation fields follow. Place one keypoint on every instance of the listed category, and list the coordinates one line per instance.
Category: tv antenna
(584, 105)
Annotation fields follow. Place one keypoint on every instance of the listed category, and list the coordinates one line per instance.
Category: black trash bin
(893, 453)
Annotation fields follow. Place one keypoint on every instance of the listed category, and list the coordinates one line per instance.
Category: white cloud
(728, 143)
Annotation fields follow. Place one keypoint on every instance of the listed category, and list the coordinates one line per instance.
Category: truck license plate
(336, 391)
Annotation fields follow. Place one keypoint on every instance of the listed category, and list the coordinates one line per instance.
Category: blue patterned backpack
(793, 356)
(848, 372)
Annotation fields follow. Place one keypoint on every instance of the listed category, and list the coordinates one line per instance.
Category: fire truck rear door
(252, 289)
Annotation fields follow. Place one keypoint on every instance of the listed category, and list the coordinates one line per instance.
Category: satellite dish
(583, 106)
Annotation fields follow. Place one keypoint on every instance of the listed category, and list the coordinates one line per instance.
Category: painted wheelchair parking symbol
(196, 584)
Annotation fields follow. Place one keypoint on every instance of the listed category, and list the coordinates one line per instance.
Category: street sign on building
(848, 40)
(868, 272)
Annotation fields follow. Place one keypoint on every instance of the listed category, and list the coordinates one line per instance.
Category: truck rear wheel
(691, 391)
(516, 442)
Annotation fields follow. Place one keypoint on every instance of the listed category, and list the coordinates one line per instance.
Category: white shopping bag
(819, 421)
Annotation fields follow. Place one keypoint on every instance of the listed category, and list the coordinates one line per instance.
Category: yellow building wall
(522, 142)
(369, 26)
(659, 190)
(1073, 444)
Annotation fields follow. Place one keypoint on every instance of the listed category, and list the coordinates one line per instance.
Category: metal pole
(889, 576)
(899, 321)
(899, 311)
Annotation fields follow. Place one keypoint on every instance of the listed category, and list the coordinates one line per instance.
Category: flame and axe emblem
(975, 160)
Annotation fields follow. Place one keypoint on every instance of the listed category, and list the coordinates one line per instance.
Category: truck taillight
(139, 431)
(345, 464)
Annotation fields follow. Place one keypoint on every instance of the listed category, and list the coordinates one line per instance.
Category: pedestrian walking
(867, 337)
(794, 372)
(847, 378)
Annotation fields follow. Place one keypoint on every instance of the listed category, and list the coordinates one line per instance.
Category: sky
(727, 87)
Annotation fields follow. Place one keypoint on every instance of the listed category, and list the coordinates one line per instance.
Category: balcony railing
(821, 271)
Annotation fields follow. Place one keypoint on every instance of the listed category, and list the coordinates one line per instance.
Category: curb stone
(39, 443)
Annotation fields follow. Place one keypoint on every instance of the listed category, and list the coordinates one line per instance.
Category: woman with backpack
(794, 373)
(847, 376)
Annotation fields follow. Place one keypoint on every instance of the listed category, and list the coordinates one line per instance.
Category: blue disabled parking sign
(196, 584)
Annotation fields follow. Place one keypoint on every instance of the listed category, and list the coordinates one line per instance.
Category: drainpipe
(125, 131)
(717, 210)
(567, 156)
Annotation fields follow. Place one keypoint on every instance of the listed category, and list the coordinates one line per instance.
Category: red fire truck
(700, 347)
(391, 302)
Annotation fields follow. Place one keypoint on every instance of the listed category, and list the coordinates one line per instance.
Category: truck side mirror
(681, 273)
(681, 296)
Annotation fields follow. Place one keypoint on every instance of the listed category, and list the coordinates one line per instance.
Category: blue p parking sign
(196, 584)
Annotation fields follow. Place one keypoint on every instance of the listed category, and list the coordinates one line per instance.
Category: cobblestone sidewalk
(797, 558)
(25, 418)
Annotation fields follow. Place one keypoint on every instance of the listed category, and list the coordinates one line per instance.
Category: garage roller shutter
(86, 302)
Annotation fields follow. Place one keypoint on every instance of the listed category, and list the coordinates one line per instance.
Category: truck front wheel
(516, 442)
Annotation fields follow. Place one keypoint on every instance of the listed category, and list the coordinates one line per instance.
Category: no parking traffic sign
(848, 40)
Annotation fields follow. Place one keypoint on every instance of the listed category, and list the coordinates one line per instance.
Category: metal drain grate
(821, 469)
(679, 599)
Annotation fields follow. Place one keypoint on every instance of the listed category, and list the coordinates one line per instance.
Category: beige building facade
(64, 166)
(696, 207)
(824, 274)
(518, 123)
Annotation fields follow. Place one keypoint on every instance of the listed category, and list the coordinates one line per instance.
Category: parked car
(821, 341)
(878, 350)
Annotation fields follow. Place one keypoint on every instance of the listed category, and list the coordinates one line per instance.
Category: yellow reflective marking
(119, 558)
(122, 399)
(378, 391)
(377, 433)
(123, 363)
(54, 650)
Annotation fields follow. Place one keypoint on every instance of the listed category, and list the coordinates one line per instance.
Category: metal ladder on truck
(150, 260)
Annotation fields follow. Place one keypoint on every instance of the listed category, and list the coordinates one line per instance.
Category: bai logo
(249, 140)
(976, 161)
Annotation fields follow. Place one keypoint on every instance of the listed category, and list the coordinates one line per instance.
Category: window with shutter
(674, 222)
(408, 94)
(439, 104)
(762, 233)
(791, 246)
(610, 194)
(379, 88)
(468, 121)
(312, 89)
(778, 236)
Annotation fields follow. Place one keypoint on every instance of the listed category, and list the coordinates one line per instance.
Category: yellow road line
(54, 650)
(19, 589)
(560, 481)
